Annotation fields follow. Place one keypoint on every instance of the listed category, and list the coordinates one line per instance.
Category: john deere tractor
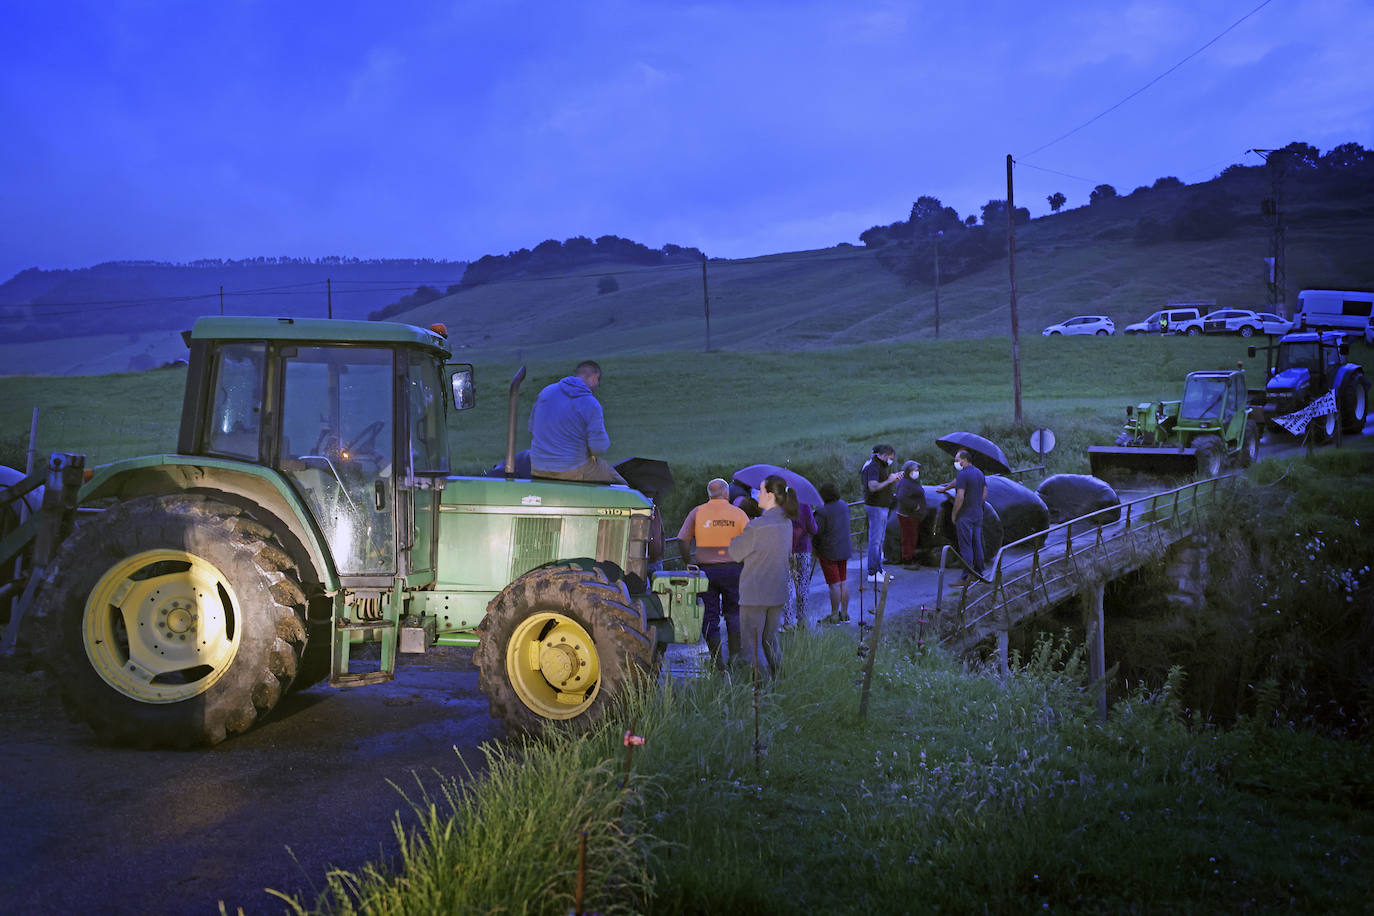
(1200, 433)
(308, 527)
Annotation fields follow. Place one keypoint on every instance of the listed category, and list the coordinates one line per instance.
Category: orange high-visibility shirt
(713, 525)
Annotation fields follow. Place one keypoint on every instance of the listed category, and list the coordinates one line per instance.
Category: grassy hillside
(1083, 260)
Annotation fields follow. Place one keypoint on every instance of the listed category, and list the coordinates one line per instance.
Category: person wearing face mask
(880, 484)
(970, 491)
(911, 509)
(763, 547)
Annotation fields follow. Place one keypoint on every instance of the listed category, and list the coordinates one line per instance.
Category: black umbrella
(755, 474)
(985, 456)
(649, 476)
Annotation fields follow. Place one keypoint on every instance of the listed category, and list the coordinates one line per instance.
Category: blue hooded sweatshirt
(566, 426)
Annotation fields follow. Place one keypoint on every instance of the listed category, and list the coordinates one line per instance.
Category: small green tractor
(308, 527)
(1210, 426)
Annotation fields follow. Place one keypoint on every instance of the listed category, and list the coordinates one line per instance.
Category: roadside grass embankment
(960, 792)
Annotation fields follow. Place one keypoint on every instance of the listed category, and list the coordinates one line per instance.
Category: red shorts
(834, 570)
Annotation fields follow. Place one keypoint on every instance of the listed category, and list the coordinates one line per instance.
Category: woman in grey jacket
(763, 547)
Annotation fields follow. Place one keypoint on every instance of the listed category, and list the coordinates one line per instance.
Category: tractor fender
(264, 490)
(1345, 371)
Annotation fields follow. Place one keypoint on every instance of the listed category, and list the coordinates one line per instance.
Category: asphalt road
(90, 829)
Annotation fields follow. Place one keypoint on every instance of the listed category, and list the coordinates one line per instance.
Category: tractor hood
(1289, 380)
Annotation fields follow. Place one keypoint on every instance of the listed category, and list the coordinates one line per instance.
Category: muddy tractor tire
(561, 644)
(1354, 405)
(1210, 455)
(171, 621)
(1249, 449)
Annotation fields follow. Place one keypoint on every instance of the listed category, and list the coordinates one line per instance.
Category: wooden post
(1004, 651)
(1097, 653)
(1015, 324)
(706, 303)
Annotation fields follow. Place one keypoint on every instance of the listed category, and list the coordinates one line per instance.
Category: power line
(1185, 60)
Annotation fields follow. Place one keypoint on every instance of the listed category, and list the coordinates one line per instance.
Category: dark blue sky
(169, 130)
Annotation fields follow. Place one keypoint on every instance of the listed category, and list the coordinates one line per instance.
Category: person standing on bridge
(568, 430)
(711, 527)
(833, 550)
(880, 494)
(970, 489)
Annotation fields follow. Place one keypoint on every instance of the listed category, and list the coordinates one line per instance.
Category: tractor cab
(352, 414)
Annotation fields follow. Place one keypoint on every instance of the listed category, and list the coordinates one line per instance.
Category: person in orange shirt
(711, 527)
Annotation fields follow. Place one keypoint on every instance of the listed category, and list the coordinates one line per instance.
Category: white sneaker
(875, 577)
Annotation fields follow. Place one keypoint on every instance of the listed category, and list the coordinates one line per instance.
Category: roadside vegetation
(959, 792)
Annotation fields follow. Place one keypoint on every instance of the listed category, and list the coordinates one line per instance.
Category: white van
(1337, 309)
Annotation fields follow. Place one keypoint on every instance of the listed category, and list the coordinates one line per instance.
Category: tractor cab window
(425, 404)
(337, 448)
(236, 411)
(1299, 356)
(1203, 398)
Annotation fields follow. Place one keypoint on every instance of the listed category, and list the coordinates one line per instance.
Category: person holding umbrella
(763, 547)
(970, 489)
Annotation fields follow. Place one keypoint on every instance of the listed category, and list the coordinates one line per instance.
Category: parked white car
(1274, 324)
(1100, 325)
(1232, 321)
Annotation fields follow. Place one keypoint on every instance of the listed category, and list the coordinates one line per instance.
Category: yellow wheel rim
(161, 626)
(553, 665)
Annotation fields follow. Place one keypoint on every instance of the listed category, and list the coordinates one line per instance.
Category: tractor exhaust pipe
(510, 421)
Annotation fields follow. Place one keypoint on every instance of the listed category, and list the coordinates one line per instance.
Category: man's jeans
(877, 531)
(971, 542)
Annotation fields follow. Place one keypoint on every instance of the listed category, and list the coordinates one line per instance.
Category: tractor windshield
(1300, 356)
(1203, 398)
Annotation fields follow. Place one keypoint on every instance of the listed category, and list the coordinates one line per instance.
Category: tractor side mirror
(1250, 352)
(461, 385)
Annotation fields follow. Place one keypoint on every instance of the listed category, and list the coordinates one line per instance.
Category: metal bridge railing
(1038, 571)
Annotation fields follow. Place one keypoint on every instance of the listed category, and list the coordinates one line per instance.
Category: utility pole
(329, 295)
(1272, 209)
(221, 298)
(706, 302)
(938, 234)
(1011, 271)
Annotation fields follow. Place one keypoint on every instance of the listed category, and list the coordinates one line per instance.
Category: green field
(816, 411)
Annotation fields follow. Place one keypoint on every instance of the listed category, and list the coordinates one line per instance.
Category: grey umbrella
(985, 455)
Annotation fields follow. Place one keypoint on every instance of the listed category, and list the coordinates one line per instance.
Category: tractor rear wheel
(171, 621)
(560, 643)
(1210, 454)
(1353, 404)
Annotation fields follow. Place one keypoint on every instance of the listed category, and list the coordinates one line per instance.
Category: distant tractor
(308, 527)
(1311, 387)
(1209, 427)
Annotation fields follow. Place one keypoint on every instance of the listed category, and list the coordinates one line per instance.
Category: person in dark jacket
(763, 547)
(834, 547)
(803, 566)
(911, 509)
(568, 430)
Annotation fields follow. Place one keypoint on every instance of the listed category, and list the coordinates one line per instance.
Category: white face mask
(915, 475)
(958, 467)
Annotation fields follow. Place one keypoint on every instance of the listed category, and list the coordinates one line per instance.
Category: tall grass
(960, 792)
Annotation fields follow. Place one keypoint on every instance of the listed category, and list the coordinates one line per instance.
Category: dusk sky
(172, 131)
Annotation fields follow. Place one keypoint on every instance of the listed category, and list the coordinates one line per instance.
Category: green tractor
(308, 527)
(1201, 433)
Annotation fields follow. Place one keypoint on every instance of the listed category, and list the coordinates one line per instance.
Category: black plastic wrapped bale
(1021, 510)
(1071, 496)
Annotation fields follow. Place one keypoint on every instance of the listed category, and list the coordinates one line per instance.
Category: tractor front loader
(1210, 426)
(309, 512)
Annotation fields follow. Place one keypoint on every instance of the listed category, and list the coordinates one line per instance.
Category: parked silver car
(1232, 321)
(1100, 325)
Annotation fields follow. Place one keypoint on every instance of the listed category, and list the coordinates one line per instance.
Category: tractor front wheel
(1323, 429)
(1210, 454)
(171, 621)
(1249, 449)
(560, 643)
(1353, 404)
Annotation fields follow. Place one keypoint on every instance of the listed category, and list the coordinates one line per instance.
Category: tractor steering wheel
(366, 439)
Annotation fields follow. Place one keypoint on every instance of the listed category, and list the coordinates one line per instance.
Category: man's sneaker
(876, 577)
